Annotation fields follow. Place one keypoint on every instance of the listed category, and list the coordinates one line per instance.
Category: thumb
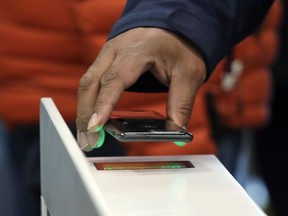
(179, 105)
(182, 93)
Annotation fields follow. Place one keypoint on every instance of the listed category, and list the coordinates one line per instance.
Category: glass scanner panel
(143, 165)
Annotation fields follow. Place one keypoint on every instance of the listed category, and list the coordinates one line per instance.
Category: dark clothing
(272, 140)
(213, 26)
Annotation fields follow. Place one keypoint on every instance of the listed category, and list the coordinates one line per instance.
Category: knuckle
(85, 82)
(185, 110)
(108, 45)
(198, 72)
(109, 77)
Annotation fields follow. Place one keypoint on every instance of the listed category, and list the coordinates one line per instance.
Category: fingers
(124, 71)
(89, 87)
(88, 141)
(101, 87)
(87, 96)
(184, 85)
(180, 100)
(119, 65)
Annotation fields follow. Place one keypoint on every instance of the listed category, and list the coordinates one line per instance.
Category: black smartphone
(145, 126)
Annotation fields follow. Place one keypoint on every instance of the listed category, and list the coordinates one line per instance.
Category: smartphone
(145, 126)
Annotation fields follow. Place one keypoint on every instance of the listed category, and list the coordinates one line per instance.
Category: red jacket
(44, 50)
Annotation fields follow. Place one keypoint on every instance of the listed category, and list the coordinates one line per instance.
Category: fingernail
(184, 127)
(83, 141)
(96, 139)
(93, 123)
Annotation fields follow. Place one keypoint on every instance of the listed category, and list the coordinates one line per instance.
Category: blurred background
(239, 114)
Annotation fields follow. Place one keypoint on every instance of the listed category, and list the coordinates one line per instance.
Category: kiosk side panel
(65, 175)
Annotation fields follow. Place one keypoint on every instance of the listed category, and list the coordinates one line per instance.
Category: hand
(172, 60)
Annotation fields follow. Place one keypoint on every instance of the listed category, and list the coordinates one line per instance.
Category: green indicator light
(176, 166)
(145, 167)
(180, 143)
(99, 128)
(101, 138)
(96, 139)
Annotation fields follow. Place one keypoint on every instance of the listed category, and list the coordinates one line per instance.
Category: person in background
(45, 47)
(7, 178)
(241, 91)
(44, 51)
(138, 99)
(241, 87)
(178, 42)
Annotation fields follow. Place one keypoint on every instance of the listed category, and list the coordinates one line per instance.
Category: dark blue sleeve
(212, 25)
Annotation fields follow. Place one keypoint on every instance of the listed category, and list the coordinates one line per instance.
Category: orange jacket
(45, 47)
(43, 52)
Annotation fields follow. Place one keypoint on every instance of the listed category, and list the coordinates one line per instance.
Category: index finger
(89, 86)
(124, 72)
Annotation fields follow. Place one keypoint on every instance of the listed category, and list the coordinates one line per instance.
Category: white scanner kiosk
(74, 185)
